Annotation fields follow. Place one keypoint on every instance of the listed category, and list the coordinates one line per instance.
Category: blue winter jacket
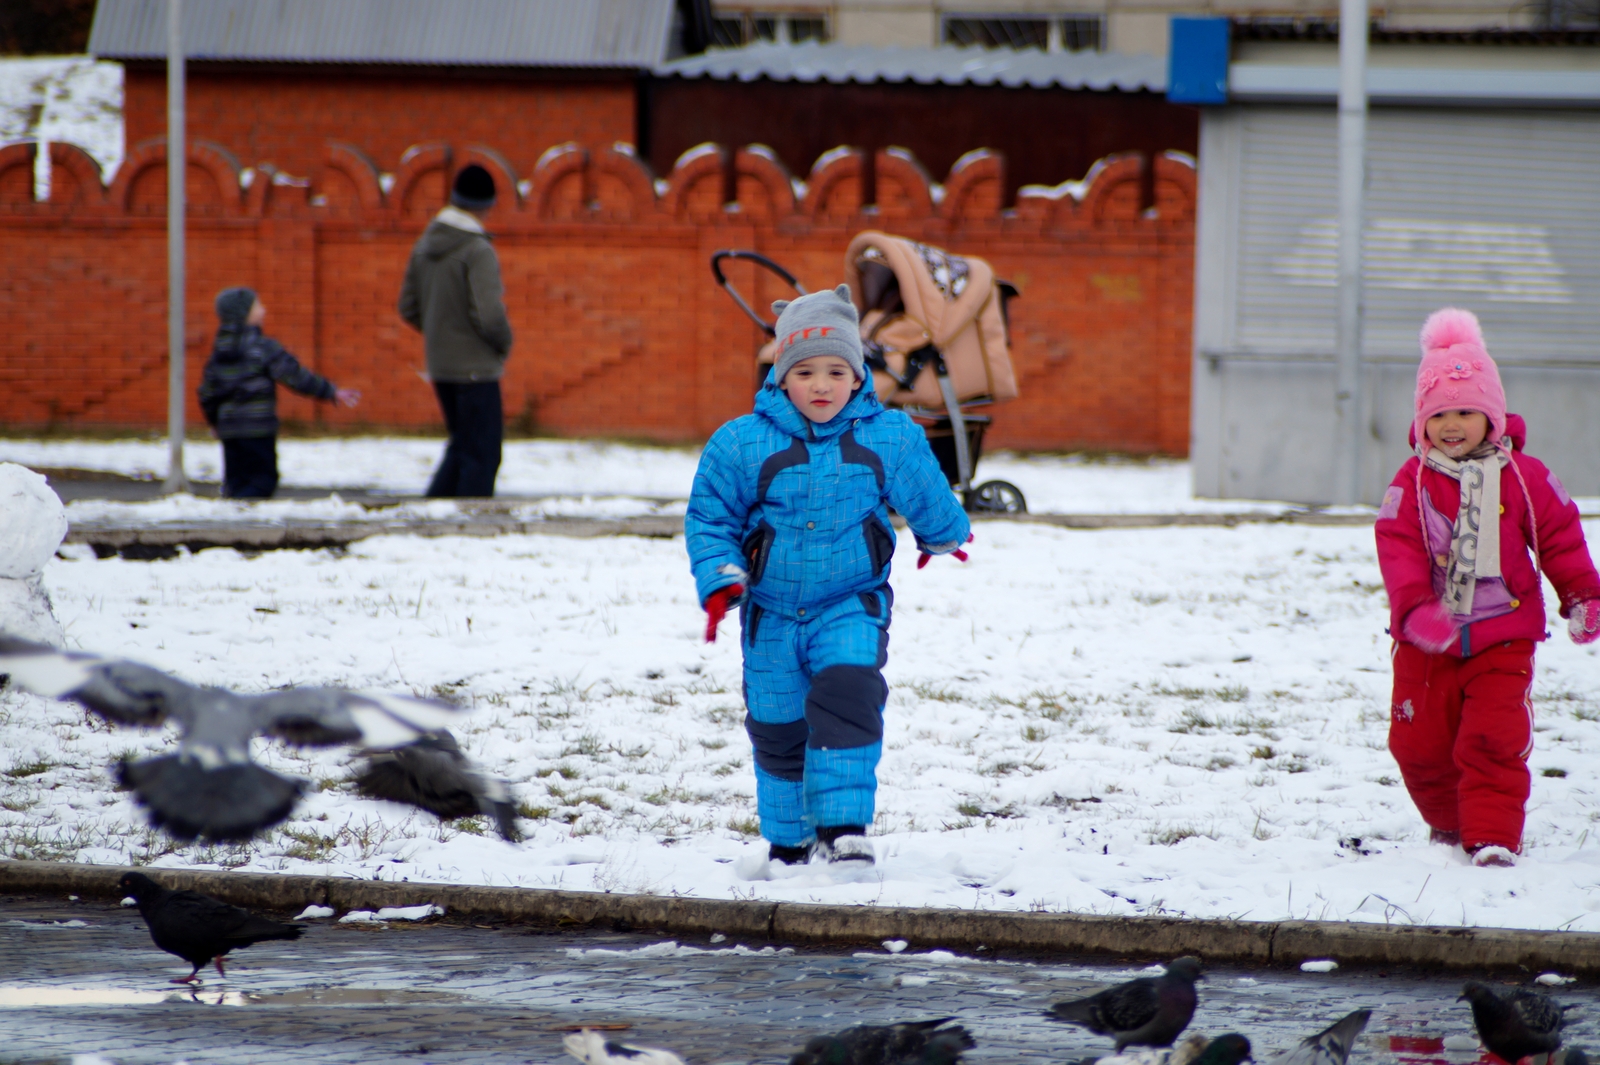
(799, 512)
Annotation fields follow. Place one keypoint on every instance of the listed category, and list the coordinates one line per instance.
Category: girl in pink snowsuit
(1466, 528)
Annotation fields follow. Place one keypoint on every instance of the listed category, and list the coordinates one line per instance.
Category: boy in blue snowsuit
(789, 518)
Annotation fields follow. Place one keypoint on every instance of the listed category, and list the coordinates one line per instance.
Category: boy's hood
(441, 238)
(773, 404)
(1516, 432)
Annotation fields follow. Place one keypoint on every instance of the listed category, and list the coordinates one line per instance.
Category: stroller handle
(759, 260)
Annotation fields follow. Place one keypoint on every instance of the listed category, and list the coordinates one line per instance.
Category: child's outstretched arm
(285, 369)
(1563, 552)
(719, 504)
(920, 492)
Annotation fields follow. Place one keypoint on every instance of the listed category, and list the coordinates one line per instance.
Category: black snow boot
(844, 843)
(777, 852)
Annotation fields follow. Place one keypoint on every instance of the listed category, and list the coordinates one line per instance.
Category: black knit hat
(474, 189)
(233, 304)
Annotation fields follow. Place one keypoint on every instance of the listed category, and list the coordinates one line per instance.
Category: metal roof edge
(1285, 83)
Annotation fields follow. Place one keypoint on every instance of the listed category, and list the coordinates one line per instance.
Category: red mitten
(960, 555)
(1583, 621)
(1431, 627)
(716, 607)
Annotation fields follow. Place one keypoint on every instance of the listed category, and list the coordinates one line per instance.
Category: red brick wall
(620, 329)
(284, 114)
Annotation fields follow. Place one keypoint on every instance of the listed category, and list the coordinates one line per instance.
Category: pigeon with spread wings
(211, 789)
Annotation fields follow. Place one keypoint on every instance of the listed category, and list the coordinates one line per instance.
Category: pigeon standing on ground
(1229, 1049)
(211, 789)
(1514, 1024)
(592, 1048)
(911, 1043)
(1331, 1046)
(199, 928)
(1150, 1011)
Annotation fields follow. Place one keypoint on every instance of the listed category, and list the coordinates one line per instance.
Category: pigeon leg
(217, 961)
(192, 978)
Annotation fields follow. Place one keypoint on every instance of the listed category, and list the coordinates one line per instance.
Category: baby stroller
(936, 336)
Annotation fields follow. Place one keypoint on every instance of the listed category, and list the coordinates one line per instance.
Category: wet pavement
(82, 978)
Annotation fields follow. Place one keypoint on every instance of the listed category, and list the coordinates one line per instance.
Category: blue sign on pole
(1197, 71)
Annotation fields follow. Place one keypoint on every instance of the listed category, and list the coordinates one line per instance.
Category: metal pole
(177, 165)
(1352, 188)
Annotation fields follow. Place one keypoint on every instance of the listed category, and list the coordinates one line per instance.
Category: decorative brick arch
(1113, 192)
(975, 187)
(419, 165)
(833, 176)
(215, 161)
(356, 167)
(16, 175)
(764, 185)
(83, 187)
(623, 187)
(1176, 188)
(552, 174)
(899, 169)
(694, 188)
(508, 196)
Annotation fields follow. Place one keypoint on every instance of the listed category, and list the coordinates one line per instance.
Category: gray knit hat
(818, 323)
(233, 304)
(473, 189)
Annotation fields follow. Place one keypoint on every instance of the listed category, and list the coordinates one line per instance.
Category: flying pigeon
(1331, 1046)
(1229, 1049)
(211, 789)
(1514, 1024)
(1150, 1011)
(199, 928)
(592, 1048)
(911, 1043)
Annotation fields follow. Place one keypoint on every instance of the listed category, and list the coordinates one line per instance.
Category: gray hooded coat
(453, 295)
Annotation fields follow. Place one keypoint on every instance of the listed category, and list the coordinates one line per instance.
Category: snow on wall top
(65, 99)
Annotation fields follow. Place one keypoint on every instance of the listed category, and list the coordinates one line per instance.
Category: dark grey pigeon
(1331, 1046)
(210, 789)
(1151, 1011)
(911, 1043)
(1516, 1023)
(199, 928)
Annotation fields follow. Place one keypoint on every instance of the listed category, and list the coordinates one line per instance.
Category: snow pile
(1158, 721)
(66, 99)
(32, 525)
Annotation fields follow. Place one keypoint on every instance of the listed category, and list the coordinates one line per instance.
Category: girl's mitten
(716, 607)
(1583, 621)
(1431, 627)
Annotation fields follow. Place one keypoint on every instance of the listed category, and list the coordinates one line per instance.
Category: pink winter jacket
(1413, 572)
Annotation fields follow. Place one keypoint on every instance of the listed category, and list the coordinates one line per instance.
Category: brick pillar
(286, 271)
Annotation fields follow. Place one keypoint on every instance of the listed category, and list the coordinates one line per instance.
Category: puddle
(34, 997)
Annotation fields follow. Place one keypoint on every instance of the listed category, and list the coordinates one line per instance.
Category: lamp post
(177, 165)
(1352, 189)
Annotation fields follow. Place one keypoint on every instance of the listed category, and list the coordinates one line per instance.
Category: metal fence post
(1352, 188)
(177, 167)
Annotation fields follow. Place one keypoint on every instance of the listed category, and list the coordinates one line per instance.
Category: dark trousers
(473, 416)
(250, 467)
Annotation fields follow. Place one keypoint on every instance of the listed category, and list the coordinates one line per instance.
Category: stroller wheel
(997, 497)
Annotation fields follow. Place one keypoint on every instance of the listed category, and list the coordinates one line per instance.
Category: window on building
(732, 29)
(1070, 33)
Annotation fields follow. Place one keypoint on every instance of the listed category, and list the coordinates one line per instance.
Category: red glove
(960, 555)
(1583, 621)
(1431, 627)
(716, 607)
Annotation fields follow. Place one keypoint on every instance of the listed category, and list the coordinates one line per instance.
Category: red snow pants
(1462, 730)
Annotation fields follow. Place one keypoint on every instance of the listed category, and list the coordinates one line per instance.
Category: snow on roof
(534, 33)
(1014, 68)
(66, 100)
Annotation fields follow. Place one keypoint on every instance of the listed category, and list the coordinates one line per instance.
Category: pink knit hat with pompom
(1457, 372)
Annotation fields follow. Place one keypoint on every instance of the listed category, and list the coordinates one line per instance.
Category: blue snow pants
(815, 695)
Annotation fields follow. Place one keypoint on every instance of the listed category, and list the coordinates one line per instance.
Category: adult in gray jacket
(452, 294)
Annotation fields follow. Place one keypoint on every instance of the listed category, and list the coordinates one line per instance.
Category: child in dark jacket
(239, 394)
(789, 516)
(1455, 534)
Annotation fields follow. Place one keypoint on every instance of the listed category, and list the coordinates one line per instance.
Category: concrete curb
(164, 540)
(1257, 942)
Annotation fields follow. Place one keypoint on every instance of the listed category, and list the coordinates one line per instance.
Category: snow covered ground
(402, 465)
(1164, 721)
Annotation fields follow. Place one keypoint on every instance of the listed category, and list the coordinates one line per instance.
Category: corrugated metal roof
(534, 33)
(926, 66)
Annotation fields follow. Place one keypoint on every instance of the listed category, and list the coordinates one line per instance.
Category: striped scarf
(1474, 542)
